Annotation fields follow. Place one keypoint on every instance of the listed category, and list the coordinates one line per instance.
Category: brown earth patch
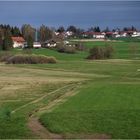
(40, 131)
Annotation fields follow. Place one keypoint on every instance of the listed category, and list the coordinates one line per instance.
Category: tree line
(42, 34)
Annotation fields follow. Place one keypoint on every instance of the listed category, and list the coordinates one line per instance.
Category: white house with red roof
(99, 35)
(18, 42)
(136, 34)
(96, 35)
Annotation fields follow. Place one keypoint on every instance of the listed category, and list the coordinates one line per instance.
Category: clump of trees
(45, 33)
(62, 48)
(80, 47)
(101, 52)
(70, 48)
(28, 33)
(6, 33)
(94, 29)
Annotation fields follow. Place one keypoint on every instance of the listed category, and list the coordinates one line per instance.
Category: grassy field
(75, 97)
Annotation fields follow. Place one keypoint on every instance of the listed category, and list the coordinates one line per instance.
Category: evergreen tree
(7, 42)
(61, 29)
(98, 29)
(107, 29)
(72, 29)
(15, 31)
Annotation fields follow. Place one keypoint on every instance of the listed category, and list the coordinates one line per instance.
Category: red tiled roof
(92, 33)
(18, 39)
(109, 33)
(130, 32)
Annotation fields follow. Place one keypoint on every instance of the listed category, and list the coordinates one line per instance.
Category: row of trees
(97, 29)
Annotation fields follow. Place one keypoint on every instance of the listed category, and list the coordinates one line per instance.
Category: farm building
(50, 43)
(97, 35)
(18, 42)
(36, 45)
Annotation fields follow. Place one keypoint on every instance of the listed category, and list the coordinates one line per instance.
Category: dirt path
(34, 124)
(40, 131)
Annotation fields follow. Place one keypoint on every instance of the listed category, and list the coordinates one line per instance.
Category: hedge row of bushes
(101, 52)
(26, 59)
(69, 48)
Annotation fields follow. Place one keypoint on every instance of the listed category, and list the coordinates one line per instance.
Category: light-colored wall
(98, 36)
(17, 45)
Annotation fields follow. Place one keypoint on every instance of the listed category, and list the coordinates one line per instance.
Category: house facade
(18, 42)
(99, 35)
(96, 35)
(50, 43)
(135, 34)
(36, 45)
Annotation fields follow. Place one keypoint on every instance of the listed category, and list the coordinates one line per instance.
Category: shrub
(101, 52)
(80, 47)
(30, 59)
(108, 51)
(65, 48)
(4, 56)
(52, 59)
(96, 53)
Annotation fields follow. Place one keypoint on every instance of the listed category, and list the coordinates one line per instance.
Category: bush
(101, 52)
(65, 49)
(108, 52)
(30, 59)
(80, 47)
(4, 56)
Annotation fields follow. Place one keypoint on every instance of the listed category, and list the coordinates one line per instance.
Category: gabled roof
(109, 33)
(18, 39)
(93, 33)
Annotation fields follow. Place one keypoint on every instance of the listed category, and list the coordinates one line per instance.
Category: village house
(99, 35)
(135, 34)
(36, 45)
(109, 34)
(96, 35)
(68, 34)
(18, 42)
(50, 44)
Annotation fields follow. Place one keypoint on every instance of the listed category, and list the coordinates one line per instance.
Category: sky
(83, 14)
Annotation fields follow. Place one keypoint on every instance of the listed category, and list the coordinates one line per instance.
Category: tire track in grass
(35, 125)
(39, 99)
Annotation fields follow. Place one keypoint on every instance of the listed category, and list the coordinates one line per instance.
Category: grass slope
(103, 105)
(107, 102)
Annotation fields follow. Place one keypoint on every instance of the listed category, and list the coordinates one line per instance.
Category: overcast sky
(80, 13)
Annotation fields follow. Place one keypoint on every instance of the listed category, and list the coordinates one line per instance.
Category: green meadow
(74, 98)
